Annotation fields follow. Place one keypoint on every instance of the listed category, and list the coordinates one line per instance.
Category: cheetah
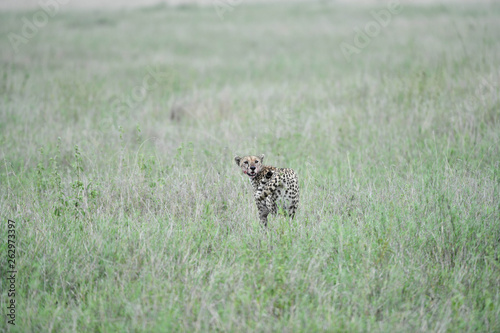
(272, 187)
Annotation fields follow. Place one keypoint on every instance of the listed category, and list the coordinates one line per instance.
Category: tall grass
(133, 217)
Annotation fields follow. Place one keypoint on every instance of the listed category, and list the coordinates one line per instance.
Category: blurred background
(136, 3)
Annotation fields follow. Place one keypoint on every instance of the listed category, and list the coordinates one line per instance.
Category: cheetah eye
(256, 162)
(246, 162)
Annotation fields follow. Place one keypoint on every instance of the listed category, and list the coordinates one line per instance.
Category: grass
(132, 216)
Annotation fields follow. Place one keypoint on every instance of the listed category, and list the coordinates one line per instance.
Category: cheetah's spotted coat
(272, 186)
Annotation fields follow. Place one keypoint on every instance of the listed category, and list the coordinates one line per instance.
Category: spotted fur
(273, 187)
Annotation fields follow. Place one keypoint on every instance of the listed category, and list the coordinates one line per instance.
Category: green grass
(135, 218)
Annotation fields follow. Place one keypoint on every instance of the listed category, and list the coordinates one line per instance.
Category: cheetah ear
(261, 157)
(237, 159)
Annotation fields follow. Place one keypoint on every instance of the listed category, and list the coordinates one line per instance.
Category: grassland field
(118, 130)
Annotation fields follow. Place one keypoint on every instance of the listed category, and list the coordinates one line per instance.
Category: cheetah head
(250, 165)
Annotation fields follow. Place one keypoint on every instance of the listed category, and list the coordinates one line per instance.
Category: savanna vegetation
(117, 135)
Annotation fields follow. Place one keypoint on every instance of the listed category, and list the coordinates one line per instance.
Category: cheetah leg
(295, 201)
(271, 205)
(292, 209)
(263, 211)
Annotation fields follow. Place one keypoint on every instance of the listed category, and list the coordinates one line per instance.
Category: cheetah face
(250, 165)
